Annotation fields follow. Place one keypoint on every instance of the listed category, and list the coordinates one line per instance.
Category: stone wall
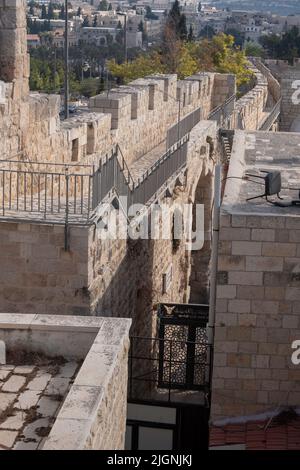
(14, 61)
(142, 112)
(250, 109)
(288, 77)
(36, 271)
(224, 87)
(257, 315)
(93, 407)
(93, 276)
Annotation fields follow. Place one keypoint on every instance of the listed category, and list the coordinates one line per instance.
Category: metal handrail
(221, 110)
(72, 195)
(147, 366)
(110, 176)
(272, 116)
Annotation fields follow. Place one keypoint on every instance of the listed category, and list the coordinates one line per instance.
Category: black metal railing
(72, 192)
(224, 111)
(182, 128)
(45, 190)
(272, 117)
(160, 368)
(114, 175)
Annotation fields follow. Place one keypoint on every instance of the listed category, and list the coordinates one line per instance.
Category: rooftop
(281, 432)
(32, 390)
(255, 153)
(61, 381)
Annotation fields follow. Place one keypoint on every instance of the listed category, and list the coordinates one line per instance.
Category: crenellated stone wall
(108, 277)
(289, 79)
(250, 109)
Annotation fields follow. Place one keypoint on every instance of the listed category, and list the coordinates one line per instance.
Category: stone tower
(14, 60)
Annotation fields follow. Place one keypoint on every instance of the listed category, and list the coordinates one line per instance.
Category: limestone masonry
(156, 140)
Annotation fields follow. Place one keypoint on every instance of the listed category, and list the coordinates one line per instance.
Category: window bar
(52, 193)
(10, 178)
(17, 190)
(31, 192)
(45, 199)
(3, 192)
(81, 195)
(39, 192)
(75, 192)
(25, 191)
(58, 200)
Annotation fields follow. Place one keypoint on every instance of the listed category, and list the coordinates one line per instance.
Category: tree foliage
(186, 58)
(103, 5)
(286, 47)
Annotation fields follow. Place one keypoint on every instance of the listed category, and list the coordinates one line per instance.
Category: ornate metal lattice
(183, 351)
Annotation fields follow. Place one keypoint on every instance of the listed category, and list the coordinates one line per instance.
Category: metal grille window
(183, 349)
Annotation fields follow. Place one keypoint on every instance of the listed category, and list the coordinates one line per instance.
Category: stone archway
(200, 259)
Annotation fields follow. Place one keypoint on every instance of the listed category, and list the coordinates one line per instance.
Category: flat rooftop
(257, 152)
(32, 390)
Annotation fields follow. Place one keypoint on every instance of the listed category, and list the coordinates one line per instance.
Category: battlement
(249, 109)
(14, 60)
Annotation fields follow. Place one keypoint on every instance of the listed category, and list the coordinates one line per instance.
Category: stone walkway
(30, 397)
(144, 163)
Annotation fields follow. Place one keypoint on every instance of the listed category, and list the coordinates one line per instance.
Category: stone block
(245, 278)
(262, 235)
(14, 422)
(28, 399)
(226, 292)
(260, 361)
(246, 248)
(14, 384)
(231, 263)
(7, 438)
(239, 306)
(278, 249)
(6, 399)
(232, 234)
(250, 292)
(238, 360)
(264, 306)
(263, 263)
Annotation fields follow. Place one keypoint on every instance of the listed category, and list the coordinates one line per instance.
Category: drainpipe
(214, 265)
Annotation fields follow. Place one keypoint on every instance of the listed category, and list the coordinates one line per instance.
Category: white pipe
(214, 254)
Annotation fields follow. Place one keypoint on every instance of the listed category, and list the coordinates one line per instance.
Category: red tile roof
(280, 433)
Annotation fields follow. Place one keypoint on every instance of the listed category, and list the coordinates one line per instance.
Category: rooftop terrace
(65, 382)
(255, 153)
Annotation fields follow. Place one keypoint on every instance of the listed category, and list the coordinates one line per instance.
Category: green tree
(110, 7)
(103, 5)
(79, 11)
(62, 12)
(253, 49)
(90, 87)
(207, 32)
(149, 14)
(44, 12)
(95, 21)
(85, 22)
(50, 15)
(176, 21)
(186, 58)
(239, 37)
(191, 36)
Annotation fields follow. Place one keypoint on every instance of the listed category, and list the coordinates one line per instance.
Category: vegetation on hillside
(286, 47)
(186, 58)
(179, 53)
